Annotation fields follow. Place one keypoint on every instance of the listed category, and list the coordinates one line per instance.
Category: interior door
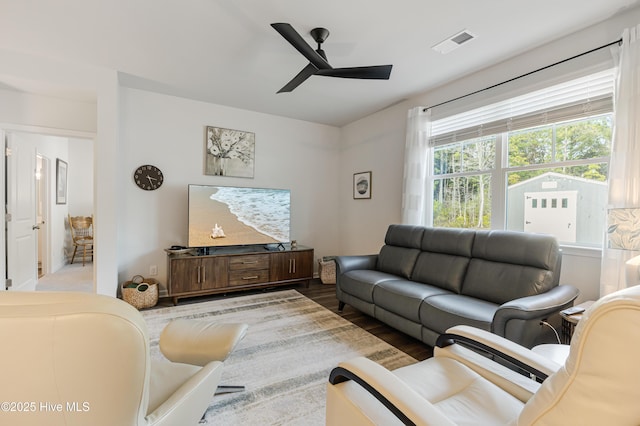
(22, 229)
(42, 213)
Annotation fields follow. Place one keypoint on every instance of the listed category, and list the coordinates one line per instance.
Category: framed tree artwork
(229, 152)
(61, 182)
(361, 185)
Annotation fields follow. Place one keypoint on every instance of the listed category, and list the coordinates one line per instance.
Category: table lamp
(623, 233)
(623, 229)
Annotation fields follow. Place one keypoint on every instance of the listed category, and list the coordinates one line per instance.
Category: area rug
(284, 360)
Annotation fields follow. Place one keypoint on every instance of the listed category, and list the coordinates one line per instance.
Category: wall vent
(453, 42)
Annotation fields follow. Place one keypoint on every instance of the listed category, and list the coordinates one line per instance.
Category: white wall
(46, 112)
(80, 178)
(168, 132)
(377, 142)
(79, 183)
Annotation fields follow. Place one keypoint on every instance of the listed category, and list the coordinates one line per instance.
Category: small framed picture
(61, 182)
(361, 185)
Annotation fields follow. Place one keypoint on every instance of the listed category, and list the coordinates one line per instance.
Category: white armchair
(598, 383)
(83, 359)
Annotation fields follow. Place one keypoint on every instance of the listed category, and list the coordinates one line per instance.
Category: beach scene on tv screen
(222, 216)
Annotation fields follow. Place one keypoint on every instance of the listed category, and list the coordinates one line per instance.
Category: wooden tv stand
(224, 270)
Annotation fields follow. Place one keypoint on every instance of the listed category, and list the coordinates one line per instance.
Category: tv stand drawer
(249, 276)
(249, 262)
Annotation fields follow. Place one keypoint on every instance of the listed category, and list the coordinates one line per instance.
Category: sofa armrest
(533, 308)
(350, 263)
(496, 345)
(343, 398)
(470, 346)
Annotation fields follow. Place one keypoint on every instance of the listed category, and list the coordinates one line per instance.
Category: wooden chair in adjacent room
(82, 235)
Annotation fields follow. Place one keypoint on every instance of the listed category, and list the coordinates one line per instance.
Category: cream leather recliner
(597, 385)
(83, 359)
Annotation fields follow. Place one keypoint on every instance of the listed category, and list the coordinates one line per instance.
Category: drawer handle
(250, 278)
(250, 263)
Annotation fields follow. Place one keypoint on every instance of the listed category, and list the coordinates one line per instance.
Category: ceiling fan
(318, 64)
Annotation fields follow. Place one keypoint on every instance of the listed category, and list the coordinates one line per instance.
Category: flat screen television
(238, 216)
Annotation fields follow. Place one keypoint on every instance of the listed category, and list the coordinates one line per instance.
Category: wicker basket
(327, 270)
(140, 292)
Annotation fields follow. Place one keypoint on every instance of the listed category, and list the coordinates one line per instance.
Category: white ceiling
(225, 51)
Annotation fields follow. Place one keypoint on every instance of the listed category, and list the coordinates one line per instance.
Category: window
(541, 171)
(461, 198)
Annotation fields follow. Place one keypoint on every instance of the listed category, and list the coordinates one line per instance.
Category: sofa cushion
(441, 270)
(401, 249)
(521, 248)
(404, 236)
(454, 241)
(403, 297)
(441, 312)
(501, 282)
(360, 283)
(397, 260)
(510, 265)
(407, 326)
(444, 258)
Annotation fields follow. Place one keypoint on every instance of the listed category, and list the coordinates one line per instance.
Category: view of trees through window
(558, 157)
(462, 197)
(561, 144)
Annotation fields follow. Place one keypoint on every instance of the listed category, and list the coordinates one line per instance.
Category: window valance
(583, 97)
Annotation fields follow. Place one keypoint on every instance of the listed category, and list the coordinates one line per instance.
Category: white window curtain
(415, 198)
(624, 174)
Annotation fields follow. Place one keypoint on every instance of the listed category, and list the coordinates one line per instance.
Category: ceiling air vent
(454, 42)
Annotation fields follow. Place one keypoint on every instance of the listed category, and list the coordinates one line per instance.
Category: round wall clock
(148, 177)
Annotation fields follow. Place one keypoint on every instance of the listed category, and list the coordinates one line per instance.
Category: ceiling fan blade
(292, 36)
(296, 81)
(375, 72)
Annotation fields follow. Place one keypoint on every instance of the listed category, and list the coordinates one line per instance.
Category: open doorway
(49, 248)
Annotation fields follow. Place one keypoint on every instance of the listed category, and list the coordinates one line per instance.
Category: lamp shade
(623, 229)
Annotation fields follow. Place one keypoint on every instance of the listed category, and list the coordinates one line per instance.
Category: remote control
(573, 310)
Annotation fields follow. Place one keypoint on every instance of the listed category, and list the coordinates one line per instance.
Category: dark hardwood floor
(325, 295)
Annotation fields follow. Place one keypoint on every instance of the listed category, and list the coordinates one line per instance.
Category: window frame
(499, 178)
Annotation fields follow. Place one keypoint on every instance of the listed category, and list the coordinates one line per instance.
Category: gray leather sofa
(426, 280)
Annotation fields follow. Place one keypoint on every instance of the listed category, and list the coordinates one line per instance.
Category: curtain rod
(619, 41)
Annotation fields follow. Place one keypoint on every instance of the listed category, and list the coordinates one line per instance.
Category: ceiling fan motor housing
(319, 34)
